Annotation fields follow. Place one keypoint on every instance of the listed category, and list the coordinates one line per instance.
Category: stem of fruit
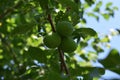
(62, 64)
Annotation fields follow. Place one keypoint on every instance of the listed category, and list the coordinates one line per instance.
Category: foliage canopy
(24, 56)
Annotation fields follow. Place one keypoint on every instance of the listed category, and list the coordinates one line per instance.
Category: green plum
(52, 41)
(64, 28)
(68, 45)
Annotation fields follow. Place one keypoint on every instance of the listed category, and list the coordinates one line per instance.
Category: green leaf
(75, 18)
(72, 6)
(36, 54)
(115, 8)
(23, 28)
(84, 57)
(106, 16)
(83, 44)
(98, 48)
(105, 39)
(118, 30)
(87, 72)
(90, 2)
(3, 27)
(99, 4)
(54, 61)
(97, 7)
(112, 61)
(43, 4)
(85, 32)
(52, 75)
(61, 16)
(109, 4)
(93, 15)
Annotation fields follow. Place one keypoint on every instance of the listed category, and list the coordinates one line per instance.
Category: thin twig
(63, 61)
(51, 22)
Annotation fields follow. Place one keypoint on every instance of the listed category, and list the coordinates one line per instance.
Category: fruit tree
(45, 40)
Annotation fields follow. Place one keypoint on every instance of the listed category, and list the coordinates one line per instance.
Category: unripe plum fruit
(68, 45)
(64, 28)
(52, 41)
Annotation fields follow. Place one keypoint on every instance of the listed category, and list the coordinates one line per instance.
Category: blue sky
(104, 26)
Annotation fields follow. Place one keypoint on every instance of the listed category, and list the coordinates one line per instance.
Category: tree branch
(61, 53)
